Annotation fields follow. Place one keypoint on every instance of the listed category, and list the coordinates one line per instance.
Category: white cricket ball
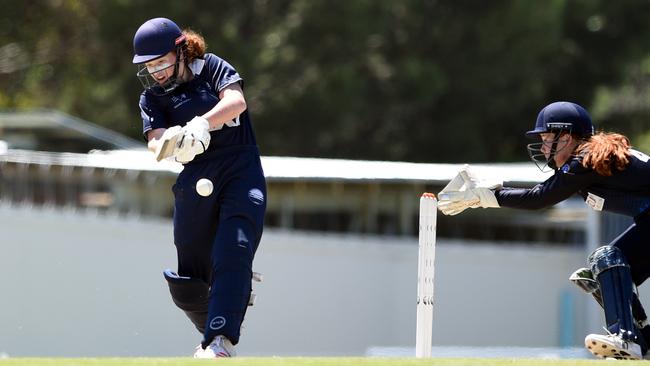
(204, 187)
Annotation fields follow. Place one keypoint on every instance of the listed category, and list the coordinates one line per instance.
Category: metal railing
(80, 182)
(131, 182)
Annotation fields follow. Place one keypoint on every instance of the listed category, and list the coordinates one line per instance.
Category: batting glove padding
(465, 191)
(196, 140)
(170, 132)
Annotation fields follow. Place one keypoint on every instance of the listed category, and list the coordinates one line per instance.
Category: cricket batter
(216, 236)
(610, 176)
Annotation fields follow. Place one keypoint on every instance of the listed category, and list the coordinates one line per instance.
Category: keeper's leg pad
(584, 279)
(611, 271)
(191, 296)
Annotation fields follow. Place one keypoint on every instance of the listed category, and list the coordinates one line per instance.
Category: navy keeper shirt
(625, 192)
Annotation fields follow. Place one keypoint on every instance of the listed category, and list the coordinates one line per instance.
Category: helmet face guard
(546, 164)
(149, 82)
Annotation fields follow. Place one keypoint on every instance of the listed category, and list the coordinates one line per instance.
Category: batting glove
(198, 129)
(196, 140)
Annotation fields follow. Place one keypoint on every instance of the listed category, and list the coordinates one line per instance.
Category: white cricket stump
(426, 257)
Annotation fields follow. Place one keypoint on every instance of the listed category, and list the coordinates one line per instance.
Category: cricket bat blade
(165, 146)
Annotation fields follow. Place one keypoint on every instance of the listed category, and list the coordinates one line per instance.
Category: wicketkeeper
(610, 176)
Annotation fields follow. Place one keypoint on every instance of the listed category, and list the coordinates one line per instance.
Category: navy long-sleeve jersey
(626, 192)
(196, 97)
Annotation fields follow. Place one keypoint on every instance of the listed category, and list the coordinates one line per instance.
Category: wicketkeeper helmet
(561, 117)
(557, 118)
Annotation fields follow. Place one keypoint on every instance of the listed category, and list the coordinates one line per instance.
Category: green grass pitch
(304, 361)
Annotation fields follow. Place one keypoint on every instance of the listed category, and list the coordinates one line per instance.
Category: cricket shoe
(219, 347)
(613, 346)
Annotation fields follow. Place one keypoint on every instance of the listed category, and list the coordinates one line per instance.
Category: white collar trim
(196, 66)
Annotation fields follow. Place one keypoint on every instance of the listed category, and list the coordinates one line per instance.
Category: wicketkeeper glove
(465, 191)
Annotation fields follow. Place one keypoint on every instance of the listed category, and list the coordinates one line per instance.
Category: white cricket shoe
(219, 347)
(612, 346)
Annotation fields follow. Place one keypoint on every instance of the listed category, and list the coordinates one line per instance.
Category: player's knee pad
(191, 296)
(611, 270)
(605, 258)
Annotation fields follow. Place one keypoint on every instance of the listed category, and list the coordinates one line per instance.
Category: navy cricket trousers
(634, 242)
(216, 237)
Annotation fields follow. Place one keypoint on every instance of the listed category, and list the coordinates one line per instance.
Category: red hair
(194, 45)
(605, 152)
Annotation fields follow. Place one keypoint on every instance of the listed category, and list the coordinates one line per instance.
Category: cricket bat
(165, 145)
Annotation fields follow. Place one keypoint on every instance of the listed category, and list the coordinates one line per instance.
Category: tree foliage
(414, 80)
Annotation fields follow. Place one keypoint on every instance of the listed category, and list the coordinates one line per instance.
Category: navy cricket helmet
(560, 117)
(155, 38)
(557, 118)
